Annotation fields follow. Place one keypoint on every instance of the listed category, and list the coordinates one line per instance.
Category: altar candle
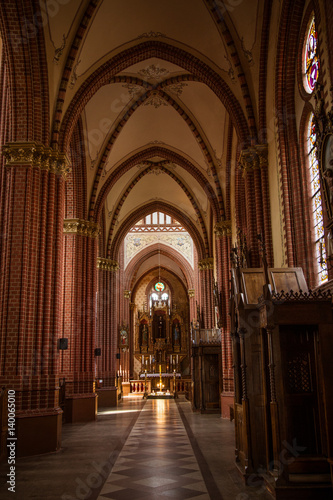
(143, 358)
(160, 369)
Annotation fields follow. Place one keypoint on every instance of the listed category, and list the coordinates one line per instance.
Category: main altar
(161, 341)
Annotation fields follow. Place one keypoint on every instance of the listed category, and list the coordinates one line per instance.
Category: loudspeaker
(63, 344)
(118, 355)
(98, 351)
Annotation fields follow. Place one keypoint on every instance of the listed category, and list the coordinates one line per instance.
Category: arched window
(310, 58)
(316, 199)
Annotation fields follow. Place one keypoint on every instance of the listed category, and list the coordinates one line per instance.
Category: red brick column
(106, 336)
(30, 293)
(223, 249)
(249, 163)
(106, 330)
(79, 363)
(206, 277)
(262, 152)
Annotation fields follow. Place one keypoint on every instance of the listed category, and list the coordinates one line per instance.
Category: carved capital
(36, 155)
(248, 160)
(262, 152)
(205, 264)
(127, 294)
(223, 228)
(253, 157)
(81, 227)
(107, 264)
(191, 293)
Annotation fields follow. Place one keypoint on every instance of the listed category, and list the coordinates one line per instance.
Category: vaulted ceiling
(156, 87)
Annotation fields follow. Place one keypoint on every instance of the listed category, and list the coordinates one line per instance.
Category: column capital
(127, 294)
(262, 152)
(253, 157)
(107, 264)
(36, 155)
(82, 227)
(205, 264)
(191, 293)
(223, 228)
(248, 160)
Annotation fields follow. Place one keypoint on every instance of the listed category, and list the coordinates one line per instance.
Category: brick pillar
(206, 277)
(30, 293)
(254, 163)
(106, 337)
(223, 249)
(262, 152)
(248, 161)
(81, 308)
(192, 307)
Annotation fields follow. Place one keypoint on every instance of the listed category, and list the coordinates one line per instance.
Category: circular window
(159, 287)
(310, 58)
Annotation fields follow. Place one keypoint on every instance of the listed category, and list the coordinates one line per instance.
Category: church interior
(166, 250)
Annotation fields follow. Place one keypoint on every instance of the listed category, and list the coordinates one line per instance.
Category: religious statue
(123, 338)
(144, 334)
(176, 333)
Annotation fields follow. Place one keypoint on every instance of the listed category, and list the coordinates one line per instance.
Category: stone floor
(155, 449)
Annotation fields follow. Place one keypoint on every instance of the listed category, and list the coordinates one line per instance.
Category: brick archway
(155, 207)
(179, 182)
(152, 250)
(143, 156)
(140, 52)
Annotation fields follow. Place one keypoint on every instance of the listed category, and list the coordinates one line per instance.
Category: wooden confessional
(283, 357)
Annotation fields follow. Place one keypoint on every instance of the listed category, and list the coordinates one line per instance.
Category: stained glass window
(317, 208)
(159, 286)
(311, 59)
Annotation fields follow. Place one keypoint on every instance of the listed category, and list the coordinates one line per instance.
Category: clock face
(159, 287)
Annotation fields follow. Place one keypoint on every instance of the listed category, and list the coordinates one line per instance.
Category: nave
(141, 449)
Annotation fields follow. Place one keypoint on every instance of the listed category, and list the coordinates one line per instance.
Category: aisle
(157, 460)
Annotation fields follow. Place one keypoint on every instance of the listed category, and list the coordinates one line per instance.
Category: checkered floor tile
(157, 460)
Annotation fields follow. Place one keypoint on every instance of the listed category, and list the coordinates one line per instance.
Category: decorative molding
(231, 72)
(74, 75)
(107, 264)
(58, 52)
(127, 294)
(205, 264)
(283, 296)
(82, 228)
(177, 88)
(153, 72)
(155, 100)
(191, 293)
(36, 155)
(133, 90)
(151, 34)
(223, 228)
(247, 53)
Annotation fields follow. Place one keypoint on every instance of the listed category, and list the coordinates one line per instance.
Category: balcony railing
(206, 336)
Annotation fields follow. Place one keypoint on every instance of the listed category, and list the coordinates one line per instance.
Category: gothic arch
(142, 174)
(156, 206)
(143, 156)
(141, 52)
(154, 249)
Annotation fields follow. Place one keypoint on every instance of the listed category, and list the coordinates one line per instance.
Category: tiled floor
(157, 449)
(157, 460)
